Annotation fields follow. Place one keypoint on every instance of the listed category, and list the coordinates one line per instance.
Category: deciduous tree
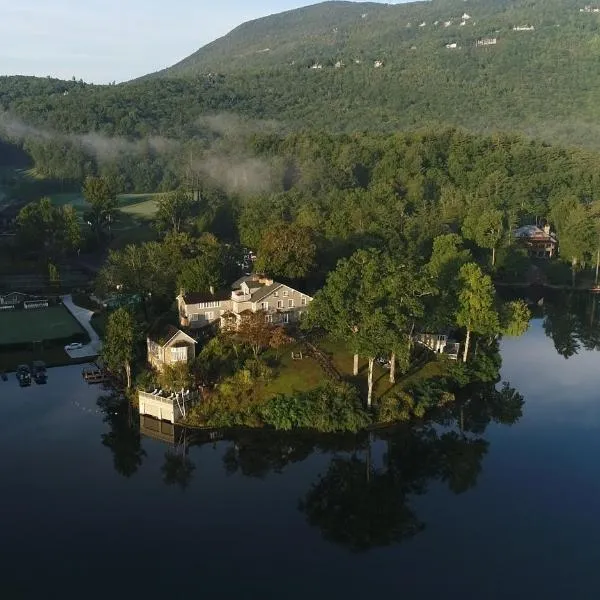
(119, 344)
(476, 304)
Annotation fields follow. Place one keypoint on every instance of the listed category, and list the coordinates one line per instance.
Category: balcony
(239, 296)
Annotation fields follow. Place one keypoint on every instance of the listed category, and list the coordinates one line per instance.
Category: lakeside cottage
(281, 303)
(540, 242)
(167, 345)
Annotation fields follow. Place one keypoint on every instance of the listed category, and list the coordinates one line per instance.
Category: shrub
(328, 408)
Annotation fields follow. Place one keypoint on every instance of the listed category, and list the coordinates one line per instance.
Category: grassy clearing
(23, 326)
(295, 375)
(306, 374)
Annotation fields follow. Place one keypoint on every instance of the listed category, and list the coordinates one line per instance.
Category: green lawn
(306, 374)
(22, 326)
(295, 375)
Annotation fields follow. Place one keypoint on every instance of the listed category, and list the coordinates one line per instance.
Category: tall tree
(350, 295)
(173, 211)
(119, 344)
(476, 304)
(48, 229)
(485, 228)
(102, 199)
(286, 250)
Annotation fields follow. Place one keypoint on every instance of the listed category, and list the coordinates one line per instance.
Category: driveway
(83, 315)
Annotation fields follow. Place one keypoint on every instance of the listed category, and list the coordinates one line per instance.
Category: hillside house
(452, 46)
(378, 64)
(540, 242)
(486, 42)
(523, 28)
(167, 345)
(249, 294)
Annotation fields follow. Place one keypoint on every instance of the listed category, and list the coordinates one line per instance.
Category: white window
(303, 300)
(209, 316)
(215, 304)
(193, 316)
(286, 293)
(276, 294)
(279, 303)
(264, 306)
(286, 317)
(179, 354)
(268, 318)
(291, 303)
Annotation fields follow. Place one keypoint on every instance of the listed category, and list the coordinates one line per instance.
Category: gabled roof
(163, 333)
(265, 291)
(200, 297)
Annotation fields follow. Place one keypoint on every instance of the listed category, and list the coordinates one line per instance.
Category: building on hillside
(540, 242)
(251, 293)
(486, 42)
(452, 46)
(523, 28)
(167, 345)
(378, 64)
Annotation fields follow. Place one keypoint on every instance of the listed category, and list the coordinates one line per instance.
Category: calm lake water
(90, 507)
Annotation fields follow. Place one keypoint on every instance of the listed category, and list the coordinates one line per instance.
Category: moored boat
(23, 375)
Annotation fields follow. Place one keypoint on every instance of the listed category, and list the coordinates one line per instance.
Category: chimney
(547, 228)
(212, 290)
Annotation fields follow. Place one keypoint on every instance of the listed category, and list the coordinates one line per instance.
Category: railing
(240, 297)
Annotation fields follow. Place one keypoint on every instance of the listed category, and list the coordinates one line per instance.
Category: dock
(171, 408)
(94, 375)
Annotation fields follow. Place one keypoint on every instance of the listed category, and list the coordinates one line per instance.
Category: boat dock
(94, 375)
(171, 408)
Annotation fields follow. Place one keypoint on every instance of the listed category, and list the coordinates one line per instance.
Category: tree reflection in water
(354, 502)
(360, 506)
(123, 437)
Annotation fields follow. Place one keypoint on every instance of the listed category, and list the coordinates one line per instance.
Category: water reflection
(123, 438)
(364, 495)
(570, 319)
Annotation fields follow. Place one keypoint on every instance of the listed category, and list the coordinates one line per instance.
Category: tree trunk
(466, 350)
(370, 393)
(597, 265)
(493, 256)
(393, 368)
(573, 265)
(128, 374)
(355, 368)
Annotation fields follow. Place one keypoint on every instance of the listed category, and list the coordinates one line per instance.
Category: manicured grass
(306, 374)
(22, 326)
(140, 206)
(295, 375)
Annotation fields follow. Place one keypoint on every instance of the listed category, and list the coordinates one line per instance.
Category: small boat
(23, 375)
(39, 372)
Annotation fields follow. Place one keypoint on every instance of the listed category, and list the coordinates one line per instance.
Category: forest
(392, 234)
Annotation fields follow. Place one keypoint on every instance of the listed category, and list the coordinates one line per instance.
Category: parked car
(74, 346)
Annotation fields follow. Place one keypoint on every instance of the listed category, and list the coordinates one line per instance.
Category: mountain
(523, 66)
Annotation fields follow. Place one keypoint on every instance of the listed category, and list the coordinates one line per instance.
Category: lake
(91, 506)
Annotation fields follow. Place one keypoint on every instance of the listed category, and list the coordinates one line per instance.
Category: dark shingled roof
(161, 333)
(199, 297)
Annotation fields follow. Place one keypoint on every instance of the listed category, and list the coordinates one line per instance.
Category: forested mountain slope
(541, 77)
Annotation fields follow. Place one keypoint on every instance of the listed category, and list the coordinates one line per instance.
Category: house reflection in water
(163, 431)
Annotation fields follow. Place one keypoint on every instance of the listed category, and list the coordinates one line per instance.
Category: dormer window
(276, 294)
(285, 293)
